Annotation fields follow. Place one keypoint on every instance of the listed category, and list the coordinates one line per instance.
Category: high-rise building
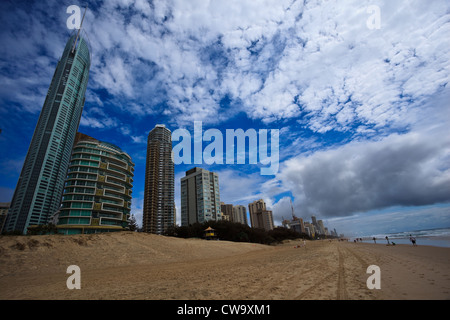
(314, 221)
(97, 195)
(260, 217)
(159, 205)
(297, 225)
(240, 214)
(4, 207)
(309, 229)
(227, 211)
(200, 197)
(321, 227)
(41, 182)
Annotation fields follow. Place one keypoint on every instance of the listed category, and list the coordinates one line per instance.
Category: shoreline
(437, 241)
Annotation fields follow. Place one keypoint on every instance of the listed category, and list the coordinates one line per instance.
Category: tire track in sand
(330, 286)
(315, 286)
(341, 293)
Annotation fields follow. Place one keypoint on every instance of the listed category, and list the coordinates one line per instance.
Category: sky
(356, 90)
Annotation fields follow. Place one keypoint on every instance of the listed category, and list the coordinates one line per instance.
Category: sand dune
(142, 266)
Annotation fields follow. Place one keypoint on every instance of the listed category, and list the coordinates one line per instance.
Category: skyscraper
(97, 195)
(39, 189)
(297, 225)
(4, 207)
(240, 214)
(260, 217)
(314, 221)
(159, 205)
(200, 196)
(227, 211)
(321, 226)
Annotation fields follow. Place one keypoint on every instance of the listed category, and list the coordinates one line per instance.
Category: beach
(137, 266)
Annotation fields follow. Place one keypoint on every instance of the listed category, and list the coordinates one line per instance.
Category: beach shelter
(210, 233)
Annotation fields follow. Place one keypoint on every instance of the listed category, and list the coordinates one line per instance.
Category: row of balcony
(128, 169)
(90, 221)
(108, 177)
(96, 152)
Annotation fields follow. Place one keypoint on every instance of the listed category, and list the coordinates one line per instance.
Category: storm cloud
(409, 169)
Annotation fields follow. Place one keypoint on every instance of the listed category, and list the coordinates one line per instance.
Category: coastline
(431, 241)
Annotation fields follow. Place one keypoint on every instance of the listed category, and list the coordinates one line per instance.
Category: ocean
(432, 237)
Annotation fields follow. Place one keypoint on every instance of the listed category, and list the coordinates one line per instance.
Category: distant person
(413, 240)
(387, 239)
(374, 240)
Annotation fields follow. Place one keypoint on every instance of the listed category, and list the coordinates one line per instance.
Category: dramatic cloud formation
(410, 169)
(313, 61)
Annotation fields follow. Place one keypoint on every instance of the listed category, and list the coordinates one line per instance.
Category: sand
(133, 266)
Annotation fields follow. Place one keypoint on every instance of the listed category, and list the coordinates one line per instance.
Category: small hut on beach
(210, 233)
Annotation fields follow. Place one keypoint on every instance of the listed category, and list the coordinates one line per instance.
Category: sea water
(431, 237)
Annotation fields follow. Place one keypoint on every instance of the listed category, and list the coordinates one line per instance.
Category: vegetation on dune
(238, 232)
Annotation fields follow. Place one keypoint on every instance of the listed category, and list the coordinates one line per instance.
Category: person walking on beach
(374, 240)
(387, 240)
(413, 240)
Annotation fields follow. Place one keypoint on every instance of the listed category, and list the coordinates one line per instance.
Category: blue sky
(363, 113)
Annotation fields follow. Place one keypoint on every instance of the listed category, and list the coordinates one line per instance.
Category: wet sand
(140, 266)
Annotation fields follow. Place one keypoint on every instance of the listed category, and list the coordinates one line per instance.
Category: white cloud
(139, 139)
(229, 193)
(314, 61)
(97, 122)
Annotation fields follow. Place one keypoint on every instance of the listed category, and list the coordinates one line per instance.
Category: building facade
(297, 225)
(159, 194)
(240, 214)
(260, 217)
(41, 182)
(4, 208)
(227, 211)
(200, 197)
(321, 227)
(97, 194)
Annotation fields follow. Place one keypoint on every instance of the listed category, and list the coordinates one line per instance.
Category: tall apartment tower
(159, 205)
(240, 214)
(4, 207)
(297, 225)
(227, 211)
(321, 227)
(200, 197)
(314, 220)
(41, 182)
(97, 195)
(259, 216)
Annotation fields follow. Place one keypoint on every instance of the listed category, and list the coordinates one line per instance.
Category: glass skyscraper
(159, 205)
(39, 189)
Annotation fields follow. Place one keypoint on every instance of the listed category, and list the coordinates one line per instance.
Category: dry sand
(132, 266)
